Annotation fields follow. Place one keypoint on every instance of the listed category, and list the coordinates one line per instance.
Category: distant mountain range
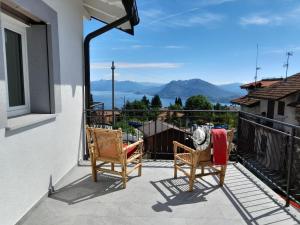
(234, 87)
(127, 86)
(179, 88)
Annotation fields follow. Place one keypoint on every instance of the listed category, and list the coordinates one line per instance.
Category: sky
(213, 40)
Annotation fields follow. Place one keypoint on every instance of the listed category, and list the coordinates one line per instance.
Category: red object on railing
(219, 137)
(130, 150)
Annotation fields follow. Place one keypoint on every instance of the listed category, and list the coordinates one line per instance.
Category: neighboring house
(250, 104)
(42, 93)
(278, 99)
(281, 100)
(159, 137)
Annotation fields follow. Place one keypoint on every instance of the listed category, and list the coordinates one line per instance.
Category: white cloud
(272, 18)
(174, 15)
(261, 20)
(127, 65)
(214, 2)
(174, 47)
(151, 13)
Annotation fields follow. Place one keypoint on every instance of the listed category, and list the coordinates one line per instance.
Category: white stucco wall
(29, 158)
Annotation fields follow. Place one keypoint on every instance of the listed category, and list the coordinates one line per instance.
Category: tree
(217, 106)
(176, 101)
(179, 102)
(198, 102)
(156, 102)
(146, 101)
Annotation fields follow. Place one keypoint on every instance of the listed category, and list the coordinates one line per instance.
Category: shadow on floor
(85, 188)
(253, 202)
(175, 191)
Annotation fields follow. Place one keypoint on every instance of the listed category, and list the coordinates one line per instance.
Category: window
(281, 106)
(16, 67)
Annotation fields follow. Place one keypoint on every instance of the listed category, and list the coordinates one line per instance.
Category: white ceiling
(107, 11)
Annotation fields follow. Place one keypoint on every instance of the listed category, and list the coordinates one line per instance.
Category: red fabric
(220, 146)
(130, 151)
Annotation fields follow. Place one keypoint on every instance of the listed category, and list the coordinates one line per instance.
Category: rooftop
(157, 198)
(280, 89)
(245, 100)
(261, 83)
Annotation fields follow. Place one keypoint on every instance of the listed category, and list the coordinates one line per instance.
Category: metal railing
(271, 150)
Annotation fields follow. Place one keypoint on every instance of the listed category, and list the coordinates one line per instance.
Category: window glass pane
(14, 64)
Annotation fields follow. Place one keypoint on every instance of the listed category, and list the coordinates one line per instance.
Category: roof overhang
(108, 11)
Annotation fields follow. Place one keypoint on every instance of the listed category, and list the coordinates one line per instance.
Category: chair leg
(175, 168)
(192, 179)
(202, 170)
(140, 167)
(222, 175)
(94, 169)
(124, 176)
(112, 166)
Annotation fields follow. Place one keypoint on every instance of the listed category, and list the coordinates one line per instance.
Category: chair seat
(187, 158)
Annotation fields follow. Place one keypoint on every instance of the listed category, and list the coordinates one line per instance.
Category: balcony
(262, 178)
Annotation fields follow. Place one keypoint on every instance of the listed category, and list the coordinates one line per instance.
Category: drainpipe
(87, 41)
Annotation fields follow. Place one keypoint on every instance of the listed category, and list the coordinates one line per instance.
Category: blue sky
(214, 40)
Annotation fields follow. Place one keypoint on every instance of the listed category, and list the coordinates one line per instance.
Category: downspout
(87, 42)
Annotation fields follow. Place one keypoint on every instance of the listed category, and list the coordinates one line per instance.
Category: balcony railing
(269, 148)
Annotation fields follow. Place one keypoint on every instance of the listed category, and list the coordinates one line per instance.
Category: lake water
(106, 98)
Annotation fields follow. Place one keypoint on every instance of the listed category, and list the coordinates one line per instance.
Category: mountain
(180, 88)
(233, 87)
(127, 86)
(187, 88)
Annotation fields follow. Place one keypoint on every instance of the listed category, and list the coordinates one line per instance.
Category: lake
(106, 98)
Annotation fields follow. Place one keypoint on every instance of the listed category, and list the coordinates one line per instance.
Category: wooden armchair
(107, 146)
(194, 160)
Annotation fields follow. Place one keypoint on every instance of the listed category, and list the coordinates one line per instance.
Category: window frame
(16, 26)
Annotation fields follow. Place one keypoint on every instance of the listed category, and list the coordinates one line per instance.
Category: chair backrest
(230, 136)
(108, 143)
(89, 138)
(205, 156)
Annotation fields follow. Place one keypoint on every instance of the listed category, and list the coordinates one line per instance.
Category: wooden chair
(107, 146)
(199, 160)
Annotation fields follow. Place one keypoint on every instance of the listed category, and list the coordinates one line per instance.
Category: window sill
(28, 120)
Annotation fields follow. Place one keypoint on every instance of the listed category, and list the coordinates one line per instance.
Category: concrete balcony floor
(156, 198)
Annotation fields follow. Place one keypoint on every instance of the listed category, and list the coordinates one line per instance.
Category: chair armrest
(177, 144)
(135, 144)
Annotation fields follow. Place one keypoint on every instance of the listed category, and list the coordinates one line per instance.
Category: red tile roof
(246, 101)
(260, 84)
(279, 90)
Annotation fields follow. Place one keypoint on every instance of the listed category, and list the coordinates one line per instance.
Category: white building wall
(30, 157)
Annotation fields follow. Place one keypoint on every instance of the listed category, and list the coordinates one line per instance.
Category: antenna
(286, 65)
(256, 67)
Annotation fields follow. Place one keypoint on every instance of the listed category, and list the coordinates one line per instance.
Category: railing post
(155, 139)
(290, 166)
(238, 136)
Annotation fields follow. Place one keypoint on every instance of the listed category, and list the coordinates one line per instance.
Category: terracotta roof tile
(260, 84)
(245, 100)
(279, 90)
